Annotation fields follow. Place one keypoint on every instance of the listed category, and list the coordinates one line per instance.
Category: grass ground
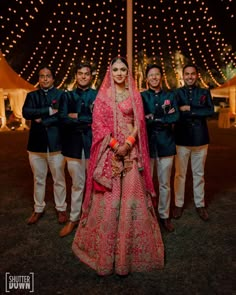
(199, 255)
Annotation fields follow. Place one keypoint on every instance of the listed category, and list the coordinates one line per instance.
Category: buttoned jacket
(77, 133)
(45, 135)
(191, 129)
(160, 127)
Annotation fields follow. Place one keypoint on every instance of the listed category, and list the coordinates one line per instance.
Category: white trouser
(164, 169)
(77, 171)
(198, 156)
(39, 163)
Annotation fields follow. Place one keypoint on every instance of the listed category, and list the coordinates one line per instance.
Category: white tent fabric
(17, 99)
(228, 89)
(15, 88)
(2, 112)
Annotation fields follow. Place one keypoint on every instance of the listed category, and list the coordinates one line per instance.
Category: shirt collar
(155, 92)
(46, 90)
(79, 90)
(190, 88)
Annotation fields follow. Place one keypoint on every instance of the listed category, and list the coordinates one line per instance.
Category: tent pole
(3, 118)
(129, 21)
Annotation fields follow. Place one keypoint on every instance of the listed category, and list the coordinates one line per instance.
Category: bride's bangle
(130, 140)
(114, 144)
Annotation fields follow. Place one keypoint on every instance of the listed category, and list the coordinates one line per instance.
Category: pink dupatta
(104, 127)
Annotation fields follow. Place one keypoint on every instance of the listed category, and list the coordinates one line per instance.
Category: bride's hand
(122, 150)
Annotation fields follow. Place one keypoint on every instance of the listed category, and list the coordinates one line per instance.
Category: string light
(21, 22)
(95, 31)
(180, 28)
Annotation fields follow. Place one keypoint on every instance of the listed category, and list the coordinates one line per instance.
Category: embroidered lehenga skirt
(121, 234)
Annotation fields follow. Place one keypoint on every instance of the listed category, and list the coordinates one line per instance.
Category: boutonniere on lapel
(202, 99)
(166, 106)
(54, 104)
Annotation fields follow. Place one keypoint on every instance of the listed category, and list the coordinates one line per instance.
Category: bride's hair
(121, 59)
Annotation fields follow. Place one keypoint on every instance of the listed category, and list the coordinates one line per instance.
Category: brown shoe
(34, 218)
(177, 212)
(62, 217)
(68, 228)
(202, 212)
(167, 225)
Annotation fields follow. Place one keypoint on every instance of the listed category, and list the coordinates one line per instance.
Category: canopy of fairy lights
(169, 32)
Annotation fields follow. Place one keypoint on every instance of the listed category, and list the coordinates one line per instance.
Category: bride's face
(119, 72)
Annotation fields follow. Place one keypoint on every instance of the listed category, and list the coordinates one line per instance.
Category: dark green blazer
(159, 129)
(77, 133)
(191, 129)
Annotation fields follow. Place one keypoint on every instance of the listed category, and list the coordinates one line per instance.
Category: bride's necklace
(121, 96)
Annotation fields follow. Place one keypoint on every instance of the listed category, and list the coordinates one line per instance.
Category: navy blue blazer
(43, 136)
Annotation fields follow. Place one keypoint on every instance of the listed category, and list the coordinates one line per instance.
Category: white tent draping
(228, 89)
(15, 88)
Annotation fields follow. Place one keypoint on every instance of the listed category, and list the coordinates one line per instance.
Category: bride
(118, 231)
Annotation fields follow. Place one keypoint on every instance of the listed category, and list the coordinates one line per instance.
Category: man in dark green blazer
(44, 144)
(76, 118)
(161, 112)
(192, 139)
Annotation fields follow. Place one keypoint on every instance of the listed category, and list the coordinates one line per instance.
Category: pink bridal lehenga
(118, 232)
